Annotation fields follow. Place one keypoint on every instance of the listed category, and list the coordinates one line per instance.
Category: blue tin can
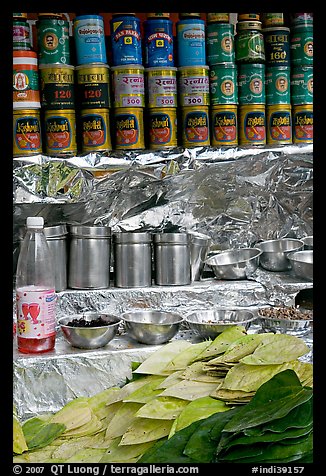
(126, 41)
(158, 42)
(191, 42)
(89, 39)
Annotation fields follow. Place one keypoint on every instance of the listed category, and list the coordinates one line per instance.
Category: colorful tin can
(195, 126)
(223, 84)
(279, 124)
(251, 83)
(95, 130)
(60, 132)
(302, 85)
(217, 17)
(277, 85)
(224, 125)
(21, 35)
(191, 42)
(27, 139)
(249, 43)
(248, 17)
(126, 41)
(53, 41)
(162, 123)
(161, 87)
(252, 124)
(26, 92)
(158, 42)
(89, 39)
(220, 43)
(272, 19)
(128, 85)
(277, 46)
(57, 86)
(303, 123)
(129, 128)
(302, 45)
(93, 86)
(193, 86)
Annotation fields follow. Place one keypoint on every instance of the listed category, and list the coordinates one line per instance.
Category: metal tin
(279, 124)
(302, 45)
(172, 259)
(158, 42)
(224, 125)
(191, 42)
(272, 19)
(93, 85)
(95, 130)
(42, 16)
(251, 83)
(252, 124)
(126, 40)
(193, 86)
(21, 35)
(277, 46)
(217, 17)
(248, 17)
(158, 15)
(220, 43)
(27, 139)
(189, 15)
(128, 84)
(89, 38)
(60, 132)
(223, 84)
(249, 43)
(305, 19)
(303, 123)
(57, 243)
(162, 123)
(161, 87)
(57, 86)
(277, 85)
(129, 128)
(195, 126)
(302, 85)
(26, 92)
(53, 41)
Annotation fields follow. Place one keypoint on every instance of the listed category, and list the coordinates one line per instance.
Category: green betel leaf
(142, 430)
(147, 391)
(242, 347)
(195, 371)
(122, 419)
(182, 360)
(189, 390)
(116, 453)
(19, 442)
(221, 343)
(162, 408)
(156, 362)
(45, 435)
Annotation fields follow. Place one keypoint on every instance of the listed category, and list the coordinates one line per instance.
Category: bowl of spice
(286, 320)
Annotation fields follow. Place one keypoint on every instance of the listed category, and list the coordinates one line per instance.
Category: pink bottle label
(35, 312)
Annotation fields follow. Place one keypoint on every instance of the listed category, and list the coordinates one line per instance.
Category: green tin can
(223, 84)
(53, 41)
(251, 83)
(249, 43)
(302, 45)
(302, 85)
(21, 35)
(277, 85)
(220, 43)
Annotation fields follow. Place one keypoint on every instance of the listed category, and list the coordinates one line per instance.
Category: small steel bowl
(278, 325)
(234, 263)
(302, 263)
(209, 323)
(308, 242)
(274, 256)
(151, 326)
(89, 337)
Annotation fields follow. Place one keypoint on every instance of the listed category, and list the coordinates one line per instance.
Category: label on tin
(280, 127)
(161, 89)
(250, 47)
(194, 89)
(26, 85)
(162, 129)
(224, 127)
(302, 47)
(277, 86)
(220, 44)
(303, 126)
(93, 86)
(27, 133)
(21, 36)
(302, 85)
(126, 41)
(129, 89)
(196, 126)
(94, 131)
(191, 41)
(59, 133)
(53, 41)
(128, 131)
(158, 43)
(57, 86)
(89, 40)
(223, 85)
(254, 126)
(277, 47)
(251, 86)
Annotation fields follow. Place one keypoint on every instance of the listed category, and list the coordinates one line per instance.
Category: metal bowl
(278, 325)
(209, 323)
(150, 326)
(274, 256)
(302, 263)
(234, 263)
(89, 337)
(308, 242)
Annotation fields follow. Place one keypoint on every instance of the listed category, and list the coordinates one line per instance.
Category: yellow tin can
(279, 124)
(129, 128)
(193, 86)
(195, 129)
(224, 125)
(27, 138)
(60, 132)
(303, 124)
(162, 123)
(95, 130)
(252, 124)
(128, 85)
(161, 87)
(93, 85)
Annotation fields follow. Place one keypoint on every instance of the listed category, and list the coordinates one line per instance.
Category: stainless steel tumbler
(199, 248)
(56, 238)
(172, 259)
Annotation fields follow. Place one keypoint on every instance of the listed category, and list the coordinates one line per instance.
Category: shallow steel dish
(234, 263)
(274, 256)
(302, 263)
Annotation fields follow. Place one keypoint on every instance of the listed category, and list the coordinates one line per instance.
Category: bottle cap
(35, 222)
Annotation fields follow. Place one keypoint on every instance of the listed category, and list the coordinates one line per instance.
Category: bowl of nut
(286, 320)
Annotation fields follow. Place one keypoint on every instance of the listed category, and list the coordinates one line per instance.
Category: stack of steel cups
(93, 84)
(301, 45)
(193, 81)
(27, 139)
(128, 82)
(57, 85)
(222, 80)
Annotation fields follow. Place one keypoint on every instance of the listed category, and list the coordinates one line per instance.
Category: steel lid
(132, 237)
(90, 231)
(55, 231)
(175, 238)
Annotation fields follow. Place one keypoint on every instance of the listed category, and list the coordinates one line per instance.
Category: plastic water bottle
(35, 291)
